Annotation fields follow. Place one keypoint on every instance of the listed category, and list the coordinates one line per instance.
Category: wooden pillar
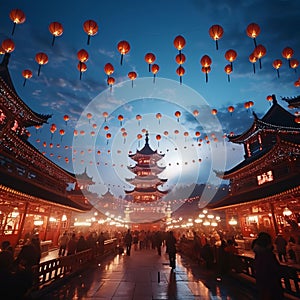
(22, 222)
(273, 218)
(47, 225)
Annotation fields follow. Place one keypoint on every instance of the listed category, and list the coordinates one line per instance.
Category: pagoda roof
(41, 193)
(294, 102)
(30, 118)
(153, 168)
(258, 159)
(266, 191)
(108, 195)
(144, 191)
(146, 150)
(84, 176)
(276, 119)
(147, 178)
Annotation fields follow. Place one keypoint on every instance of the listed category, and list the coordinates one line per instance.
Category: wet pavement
(147, 276)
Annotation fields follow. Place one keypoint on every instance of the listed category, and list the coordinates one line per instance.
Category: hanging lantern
(216, 32)
(179, 43)
(259, 52)
(42, 59)
(66, 119)
(253, 60)
(230, 109)
(91, 28)
(132, 76)
(108, 136)
(177, 115)
(158, 117)
(89, 117)
(180, 58)
(180, 72)
(139, 118)
(228, 70)
(294, 63)
(253, 30)
(269, 98)
(158, 138)
(150, 59)
(106, 128)
(62, 133)
(206, 70)
(18, 17)
(297, 83)
(231, 56)
(27, 74)
(2, 51)
(277, 63)
(154, 70)
(123, 47)
(82, 67)
(105, 115)
(109, 69)
(52, 130)
(8, 45)
(110, 82)
(195, 112)
(56, 29)
(288, 53)
(120, 118)
(297, 120)
(214, 111)
(124, 134)
(75, 133)
(83, 57)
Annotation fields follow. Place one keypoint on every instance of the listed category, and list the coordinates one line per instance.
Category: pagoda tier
(146, 181)
(11, 105)
(294, 102)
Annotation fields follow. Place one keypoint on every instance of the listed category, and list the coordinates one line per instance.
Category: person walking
(72, 245)
(171, 249)
(281, 245)
(267, 269)
(128, 242)
(63, 242)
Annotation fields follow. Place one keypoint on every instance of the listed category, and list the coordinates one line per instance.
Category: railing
(242, 264)
(49, 272)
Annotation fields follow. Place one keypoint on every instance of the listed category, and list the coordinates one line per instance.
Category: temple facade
(146, 181)
(265, 187)
(35, 193)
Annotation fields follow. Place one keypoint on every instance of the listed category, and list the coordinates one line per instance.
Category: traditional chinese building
(35, 193)
(265, 187)
(293, 102)
(146, 182)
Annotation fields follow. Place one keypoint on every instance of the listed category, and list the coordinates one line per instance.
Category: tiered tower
(146, 169)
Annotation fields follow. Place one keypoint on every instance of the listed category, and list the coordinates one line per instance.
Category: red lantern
(123, 47)
(154, 70)
(108, 136)
(231, 56)
(120, 118)
(297, 83)
(230, 109)
(42, 59)
(18, 17)
(110, 82)
(177, 115)
(180, 58)
(150, 59)
(8, 45)
(91, 28)
(205, 61)
(56, 29)
(66, 119)
(253, 60)
(82, 67)
(83, 57)
(297, 120)
(216, 32)
(294, 63)
(180, 72)
(259, 52)
(139, 118)
(27, 74)
(179, 43)
(158, 138)
(62, 133)
(253, 30)
(132, 76)
(277, 63)
(228, 70)
(109, 69)
(214, 111)
(158, 117)
(105, 115)
(288, 53)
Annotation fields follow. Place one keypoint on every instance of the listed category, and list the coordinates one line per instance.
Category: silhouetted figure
(72, 245)
(157, 240)
(81, 244)
(267, 269)
(7, 281)
(219, 256)
(63, 242)
(100, 242)
(281, 245)
(171, 249)
(128, 241)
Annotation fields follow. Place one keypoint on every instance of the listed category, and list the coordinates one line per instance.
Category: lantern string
(13, 31)
(259, 63)
(39, 70)
(24, 82)
(88, 40)
(217, 45)
(53, 39)
(228, 78)
(154, 77)
(121, 59)
(277, 73)
(254, 68)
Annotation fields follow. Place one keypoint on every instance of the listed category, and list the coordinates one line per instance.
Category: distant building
(265, 187)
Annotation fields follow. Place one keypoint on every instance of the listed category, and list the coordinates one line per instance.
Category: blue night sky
(149, 27)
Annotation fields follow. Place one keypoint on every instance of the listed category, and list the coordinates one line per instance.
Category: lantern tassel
(132, 83)
(231, 65)
(228, 78)
(24, 82)
(259, 63)
(39, 70)
(53, 40)
(206, 77)
(254, 68)
(88, 40)
(277, 73)
(154, 77)
(217, 45)
(121, 59)
(149, 67)
(255, 45)
(14, 27)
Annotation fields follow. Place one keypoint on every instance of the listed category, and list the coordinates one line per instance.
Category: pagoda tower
(146, 181)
